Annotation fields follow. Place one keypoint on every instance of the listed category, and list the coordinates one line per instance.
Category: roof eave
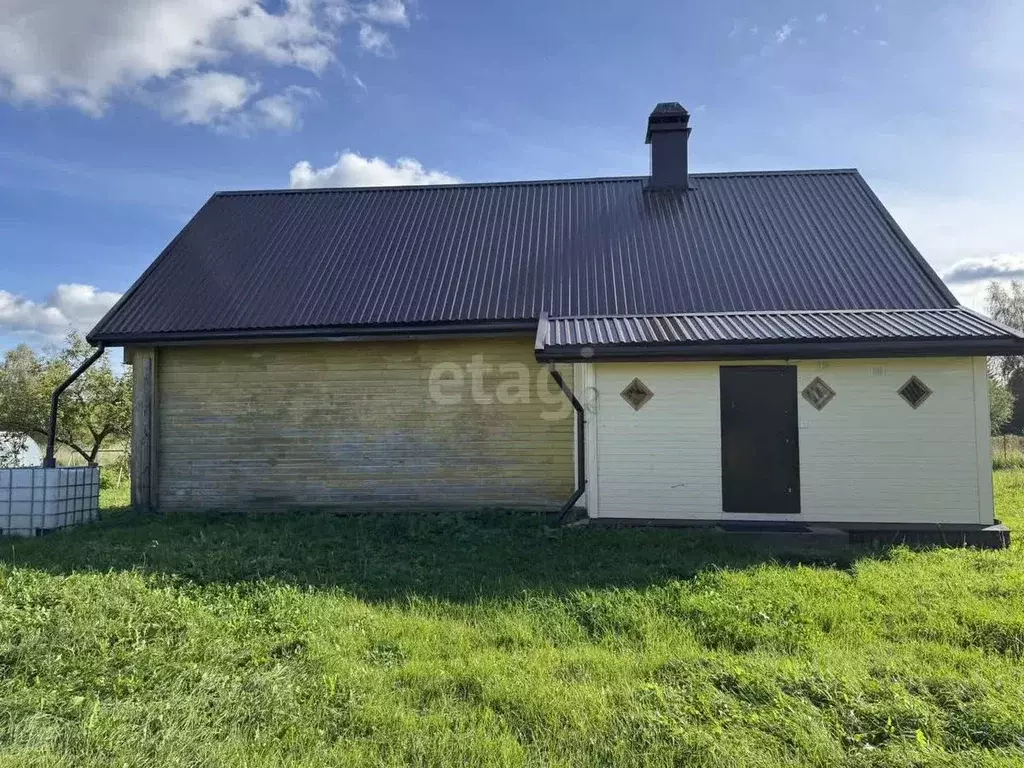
(332, 333)
(787, 350)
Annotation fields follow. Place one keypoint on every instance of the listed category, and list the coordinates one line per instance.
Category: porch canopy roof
(780, 335)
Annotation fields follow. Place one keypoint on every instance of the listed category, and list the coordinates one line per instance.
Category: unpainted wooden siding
(866, 457)
(143, 478)
(354, 422)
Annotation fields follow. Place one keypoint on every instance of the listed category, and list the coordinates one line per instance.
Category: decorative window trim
(818, 393)
(914, 392)
(636, 394)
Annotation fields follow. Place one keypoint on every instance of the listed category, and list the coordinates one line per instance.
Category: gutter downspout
(51, 439)
(581, 464)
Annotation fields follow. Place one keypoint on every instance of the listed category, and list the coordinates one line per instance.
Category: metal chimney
(668, 131)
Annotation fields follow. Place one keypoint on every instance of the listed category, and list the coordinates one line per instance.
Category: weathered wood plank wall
(356, 422)
(144, 416)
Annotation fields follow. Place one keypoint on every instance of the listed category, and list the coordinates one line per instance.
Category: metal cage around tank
(37, 500)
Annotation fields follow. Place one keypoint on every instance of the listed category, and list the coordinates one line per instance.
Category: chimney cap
(667, 116)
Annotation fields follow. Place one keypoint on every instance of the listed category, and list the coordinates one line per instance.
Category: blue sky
(120, 117)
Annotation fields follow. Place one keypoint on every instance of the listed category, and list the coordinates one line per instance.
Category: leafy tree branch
(94, 409)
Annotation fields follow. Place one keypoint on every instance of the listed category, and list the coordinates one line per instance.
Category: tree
(11, 448)
(1006, 304)
(1000, 404)
(96, 408)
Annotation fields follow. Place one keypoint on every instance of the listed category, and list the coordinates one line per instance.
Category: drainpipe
(50, 461)
(581, 464)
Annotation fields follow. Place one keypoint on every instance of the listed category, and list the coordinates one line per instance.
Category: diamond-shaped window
(637, 394)
(818, 393)
(914, 392)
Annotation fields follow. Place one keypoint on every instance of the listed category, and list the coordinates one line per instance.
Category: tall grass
(312, 639)
(1007, 452)
(1008, 460)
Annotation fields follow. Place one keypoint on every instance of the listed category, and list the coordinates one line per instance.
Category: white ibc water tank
(30, 456)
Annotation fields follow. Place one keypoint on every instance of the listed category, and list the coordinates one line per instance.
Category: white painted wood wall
(867, 457)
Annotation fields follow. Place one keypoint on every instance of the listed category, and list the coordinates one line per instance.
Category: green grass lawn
(313, 639)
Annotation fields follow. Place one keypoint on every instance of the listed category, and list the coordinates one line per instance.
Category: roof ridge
(533, 182)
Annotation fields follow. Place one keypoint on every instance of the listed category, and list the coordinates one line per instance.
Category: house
(764, 346)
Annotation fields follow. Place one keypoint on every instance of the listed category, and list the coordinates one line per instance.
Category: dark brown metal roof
(334, 261)
(940, 331)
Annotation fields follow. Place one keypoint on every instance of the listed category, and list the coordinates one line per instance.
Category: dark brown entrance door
(760, 447)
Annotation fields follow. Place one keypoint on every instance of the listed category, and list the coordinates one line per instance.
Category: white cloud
(821, 18)
(228, 103)
(374, 40)
(209, 97)
(282, 111)
(387, 12)
(1005, 266)
(71, 307)
(782, 33)
(353, 170)
(298, 36)
(86, 53)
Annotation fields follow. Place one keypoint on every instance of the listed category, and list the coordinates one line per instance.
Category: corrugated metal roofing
(311, 261)
(857, 325)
